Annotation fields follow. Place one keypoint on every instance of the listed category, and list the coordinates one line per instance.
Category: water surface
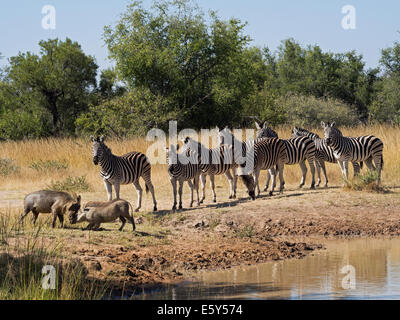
(376, 264)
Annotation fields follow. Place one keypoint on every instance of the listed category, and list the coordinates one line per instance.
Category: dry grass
(76, 155)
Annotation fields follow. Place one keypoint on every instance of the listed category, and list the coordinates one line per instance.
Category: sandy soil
(169, 247)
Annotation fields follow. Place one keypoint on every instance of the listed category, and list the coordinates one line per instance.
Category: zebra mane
(105, 148)
(306, 132)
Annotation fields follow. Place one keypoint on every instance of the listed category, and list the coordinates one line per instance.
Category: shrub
(308, 111)
(365, 182)
(76, 184)
(8, 167)
(49, 165)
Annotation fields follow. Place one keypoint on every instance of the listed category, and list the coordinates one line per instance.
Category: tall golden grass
(77, 153)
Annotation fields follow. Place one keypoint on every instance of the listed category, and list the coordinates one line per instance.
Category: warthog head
(72, 208)
(98, 149)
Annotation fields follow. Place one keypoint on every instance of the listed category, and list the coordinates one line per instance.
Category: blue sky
(269, 22)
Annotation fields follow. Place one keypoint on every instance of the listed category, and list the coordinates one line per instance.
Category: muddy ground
(168, 247)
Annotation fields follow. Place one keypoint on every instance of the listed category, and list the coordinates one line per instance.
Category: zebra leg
(281, 178)
(108, 186)
(173, 183)
(235, 179)
(228, 175)
(256, 175)
(322, 163)
(341, 165)
(212, 183)
(196, 187)
(369, 164)
(304, 173)
(203, 178)
(318, 167)
(273, 177)
(139, 192)
(379, 165)
(150, 187)
(191, 192)
(312, 169)
(356, 168)
(117, 188)
(268, 179)
(180, 193)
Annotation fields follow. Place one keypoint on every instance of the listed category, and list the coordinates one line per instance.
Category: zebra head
(98, 149)
(331, 133)
(264, 131)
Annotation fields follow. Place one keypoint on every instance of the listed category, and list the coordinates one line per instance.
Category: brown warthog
(97, 213)
(55, 202)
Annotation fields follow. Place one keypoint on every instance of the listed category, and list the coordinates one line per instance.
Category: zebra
(180, 172)
(115, 170)
(299, 149)
(323, 153)
(364, 148)
(215, 162)
(261, 154)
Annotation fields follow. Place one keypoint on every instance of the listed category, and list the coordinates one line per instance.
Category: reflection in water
(377, 275)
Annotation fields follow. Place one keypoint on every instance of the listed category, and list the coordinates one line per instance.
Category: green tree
(61, 78)
(178, 53)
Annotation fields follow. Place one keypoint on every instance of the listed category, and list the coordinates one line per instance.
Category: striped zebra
(180, 172)
(354, 149)
(261, 154)
(215, 162)
(115, 170)
(323, 154)
(298, 150)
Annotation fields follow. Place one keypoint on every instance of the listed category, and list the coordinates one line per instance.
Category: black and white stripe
(324, 153)
(252, 156)
(368, 149)
(188, 171)
(298, 150)
(126, 169)
(213, 162)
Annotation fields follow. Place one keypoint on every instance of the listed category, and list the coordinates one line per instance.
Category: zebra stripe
(323, 153)
(252, 156)
(298, 150)
(368, 149)
(126, 169)
(213, 162)
(181, 172)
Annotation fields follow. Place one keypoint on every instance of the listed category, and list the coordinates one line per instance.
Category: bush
(365, 182)
(49, 165)
(306, 111)
(7, 167)
(76, 184)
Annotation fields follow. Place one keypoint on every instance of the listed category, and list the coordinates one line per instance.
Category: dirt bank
(169, 247)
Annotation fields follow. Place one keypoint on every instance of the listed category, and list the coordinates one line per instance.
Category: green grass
(24, 253)
(365, 182)
(75, 184)
(246, 231)
(49, 165)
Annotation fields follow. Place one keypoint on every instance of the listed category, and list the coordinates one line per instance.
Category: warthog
(55, 202)
(97, 213)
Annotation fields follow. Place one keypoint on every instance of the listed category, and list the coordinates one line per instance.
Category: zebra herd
(232, 158)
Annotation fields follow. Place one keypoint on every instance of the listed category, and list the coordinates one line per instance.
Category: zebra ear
(265, 125)
(92, 138)
(333, 124)
(102, 138)
(78, 199)
(257, 125)
(323, 125)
